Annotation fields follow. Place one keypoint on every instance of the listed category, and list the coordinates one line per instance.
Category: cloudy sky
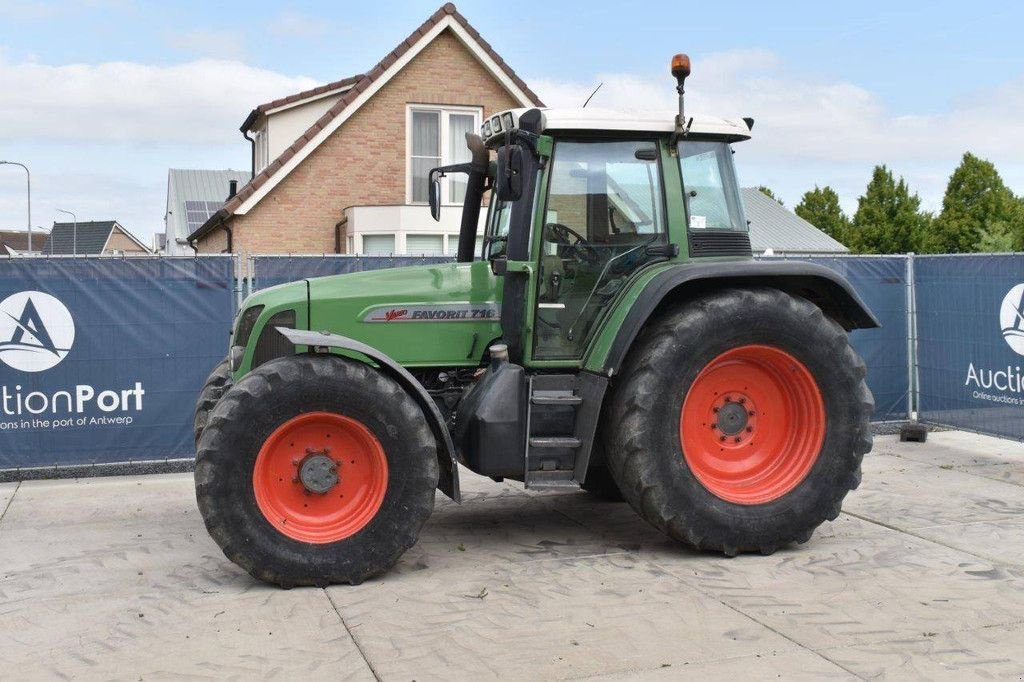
(100, 97)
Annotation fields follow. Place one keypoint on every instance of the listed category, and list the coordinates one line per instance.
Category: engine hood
(428, 315)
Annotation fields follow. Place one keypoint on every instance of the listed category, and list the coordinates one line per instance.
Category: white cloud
(99, 138)
(804, 122)
(195, 102)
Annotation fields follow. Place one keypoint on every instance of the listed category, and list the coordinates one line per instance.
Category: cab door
(603, 209)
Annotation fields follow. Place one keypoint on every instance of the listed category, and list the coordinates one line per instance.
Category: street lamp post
(28, 179)
(74, 233)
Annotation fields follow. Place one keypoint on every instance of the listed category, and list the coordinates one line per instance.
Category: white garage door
(424, 245)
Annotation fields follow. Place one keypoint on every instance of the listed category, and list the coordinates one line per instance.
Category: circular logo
(36, 331)
(1011, 318)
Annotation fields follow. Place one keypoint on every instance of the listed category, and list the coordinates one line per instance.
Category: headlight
(235, 356)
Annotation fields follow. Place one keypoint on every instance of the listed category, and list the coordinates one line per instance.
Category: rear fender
(323, 342)
(820, 285)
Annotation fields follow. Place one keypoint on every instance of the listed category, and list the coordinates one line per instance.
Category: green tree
(820, 207)
(979, 212)
(769, 193)
(888, 217)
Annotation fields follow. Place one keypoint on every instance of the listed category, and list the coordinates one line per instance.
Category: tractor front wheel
(739, 421)
(215, 386)
(314, 470)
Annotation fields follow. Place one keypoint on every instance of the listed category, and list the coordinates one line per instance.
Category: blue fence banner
(881, 282)
(970, 331)
(101, 359)
(268, 271)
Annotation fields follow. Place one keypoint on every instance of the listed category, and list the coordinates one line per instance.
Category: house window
(261, 141)
(378, 244)
(424, 244)
(437, 137)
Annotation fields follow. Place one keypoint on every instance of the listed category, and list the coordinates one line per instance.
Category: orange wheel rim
(752, 424)
(320, 477)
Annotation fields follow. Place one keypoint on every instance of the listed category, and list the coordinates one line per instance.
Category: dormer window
(262, 147)
(436, 136)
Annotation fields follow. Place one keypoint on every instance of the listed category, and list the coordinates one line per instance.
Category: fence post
(250, 270)
(913, 387)
(236, 269)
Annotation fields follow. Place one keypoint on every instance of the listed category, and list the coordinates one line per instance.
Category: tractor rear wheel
(216, 385)
(315, 470)
(739, 421)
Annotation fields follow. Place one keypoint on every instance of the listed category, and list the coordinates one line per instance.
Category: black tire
(273, 394)
(647, 459)
(214, 388)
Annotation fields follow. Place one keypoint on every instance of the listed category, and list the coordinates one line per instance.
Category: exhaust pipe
(474, 195)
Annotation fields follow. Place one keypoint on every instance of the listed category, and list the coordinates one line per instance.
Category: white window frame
(444, 110)
(261, 142)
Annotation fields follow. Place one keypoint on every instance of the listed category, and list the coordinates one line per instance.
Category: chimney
(232, 188)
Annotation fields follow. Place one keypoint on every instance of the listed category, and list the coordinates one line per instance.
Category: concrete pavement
(922, 576)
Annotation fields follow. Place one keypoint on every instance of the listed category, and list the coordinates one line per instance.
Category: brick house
(342, 168)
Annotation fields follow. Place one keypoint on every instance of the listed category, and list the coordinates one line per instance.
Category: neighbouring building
(342, 168)
(775, 228)
(192, 197)
(92, 238)
(15, 242)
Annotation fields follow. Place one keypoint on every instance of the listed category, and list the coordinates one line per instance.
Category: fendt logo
(1011, 318)
(36, 331)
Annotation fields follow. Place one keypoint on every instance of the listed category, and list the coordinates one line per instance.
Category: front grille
(272, 344)
(246, 322)
(719, 243)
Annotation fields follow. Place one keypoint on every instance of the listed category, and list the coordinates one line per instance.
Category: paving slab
(921, 577)
(7, 491)
(920, 498)
(544, 619)
(954, 447)
(117, 578)
(981, 654)
(786, 665)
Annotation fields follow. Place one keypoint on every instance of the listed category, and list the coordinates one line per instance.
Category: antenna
(592, 94)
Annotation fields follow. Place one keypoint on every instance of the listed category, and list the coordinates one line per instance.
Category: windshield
(709, 184)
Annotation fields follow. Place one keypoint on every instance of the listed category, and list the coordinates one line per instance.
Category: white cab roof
(633, 121)
(734, 129)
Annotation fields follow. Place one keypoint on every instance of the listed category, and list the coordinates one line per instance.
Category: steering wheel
(561, 234)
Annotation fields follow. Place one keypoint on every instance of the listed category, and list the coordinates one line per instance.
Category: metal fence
(101, 358)
(267, 271)
(970, 339)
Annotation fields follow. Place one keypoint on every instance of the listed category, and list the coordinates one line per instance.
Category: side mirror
(434, 195)
(508, 179)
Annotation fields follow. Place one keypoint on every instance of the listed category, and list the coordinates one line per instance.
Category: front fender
(321, 342)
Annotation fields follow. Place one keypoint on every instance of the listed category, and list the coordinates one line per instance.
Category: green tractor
(612, 333)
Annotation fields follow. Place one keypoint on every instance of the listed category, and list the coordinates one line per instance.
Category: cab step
(555, 442)
(561, 418)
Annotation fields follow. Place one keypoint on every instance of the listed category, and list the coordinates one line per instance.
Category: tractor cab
(584, 200)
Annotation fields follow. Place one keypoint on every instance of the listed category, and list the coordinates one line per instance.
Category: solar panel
(198, 212)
